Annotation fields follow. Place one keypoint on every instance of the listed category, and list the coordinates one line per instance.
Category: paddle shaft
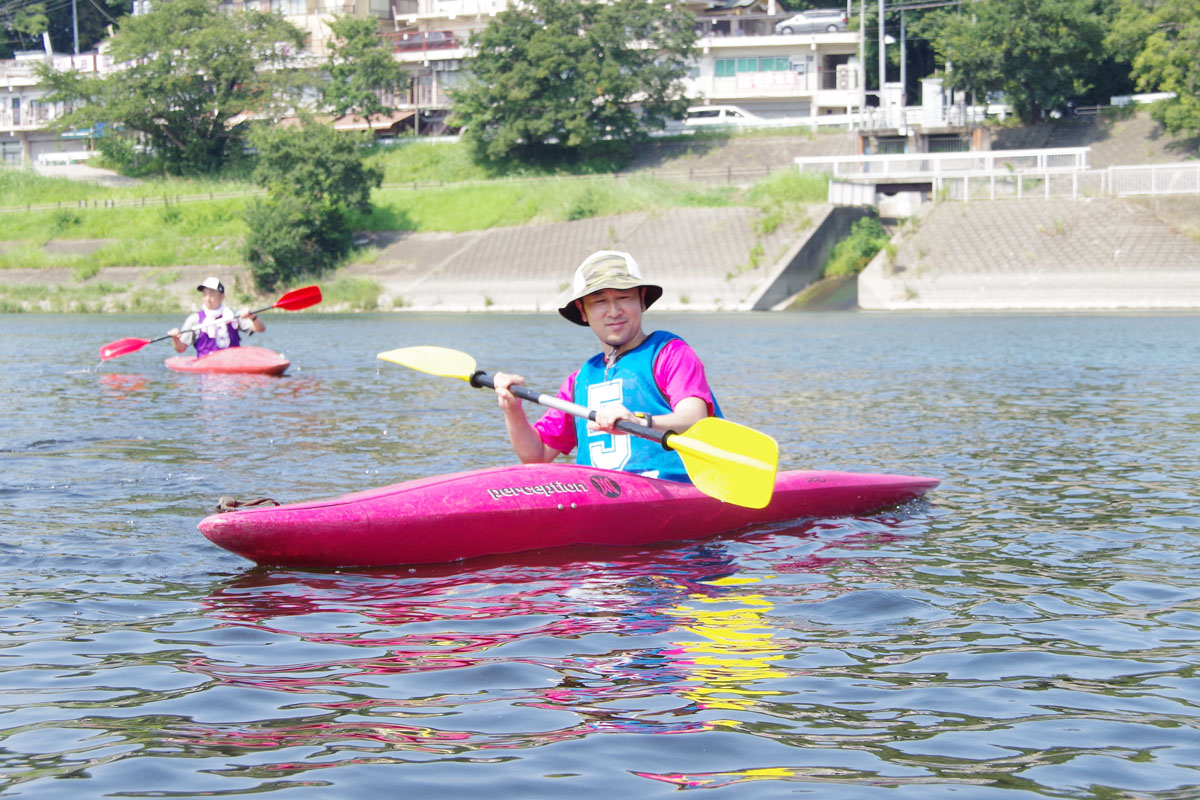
(481, 379)
(219, 323)
(205, 326)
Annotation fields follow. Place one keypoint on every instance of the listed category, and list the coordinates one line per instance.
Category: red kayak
(528, 507)
(238, 360)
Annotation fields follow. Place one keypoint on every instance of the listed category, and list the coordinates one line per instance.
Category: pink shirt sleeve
(557, 428)
(680, 374)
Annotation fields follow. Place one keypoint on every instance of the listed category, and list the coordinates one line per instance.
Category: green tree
(1161, 39)
(556, 80)
(360, 68)
(23, 23)
(1040, 53)
(193, 76)
(314, 177)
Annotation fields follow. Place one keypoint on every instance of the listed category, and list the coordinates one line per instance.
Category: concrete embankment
(1041, 254)
(1005, 254)
(705, 259)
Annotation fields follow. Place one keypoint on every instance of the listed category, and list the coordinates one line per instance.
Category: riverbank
(1003, 254)
(1028, 254)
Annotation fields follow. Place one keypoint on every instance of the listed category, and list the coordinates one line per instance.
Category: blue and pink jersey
(652, 378)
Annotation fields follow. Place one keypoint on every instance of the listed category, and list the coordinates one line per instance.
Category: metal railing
(1116, 181)
(935, 165)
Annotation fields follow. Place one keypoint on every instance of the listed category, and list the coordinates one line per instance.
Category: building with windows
(25, 114)
(812, 78)
(772, 75)
(740, 59)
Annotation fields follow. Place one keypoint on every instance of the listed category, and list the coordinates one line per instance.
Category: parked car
(698, 116)
(815, 20)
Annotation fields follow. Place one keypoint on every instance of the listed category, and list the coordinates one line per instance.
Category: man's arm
(182, 338)
(249, 323)
(526, 440)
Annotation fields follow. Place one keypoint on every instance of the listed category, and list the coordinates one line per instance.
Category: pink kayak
(528, 507)
(242, 360)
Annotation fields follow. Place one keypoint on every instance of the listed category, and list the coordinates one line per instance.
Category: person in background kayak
(654, 379)
(214, 327)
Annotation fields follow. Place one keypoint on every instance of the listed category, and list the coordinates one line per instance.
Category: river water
(1032, 629)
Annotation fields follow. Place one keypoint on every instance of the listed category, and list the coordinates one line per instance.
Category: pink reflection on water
(658, 641)
(123, 385)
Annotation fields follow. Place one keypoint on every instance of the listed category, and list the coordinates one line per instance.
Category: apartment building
(740, 61)
(25, 114)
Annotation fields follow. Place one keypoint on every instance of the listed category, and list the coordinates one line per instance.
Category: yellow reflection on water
(735, 647)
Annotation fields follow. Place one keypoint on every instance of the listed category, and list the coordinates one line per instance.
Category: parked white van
(697, 116)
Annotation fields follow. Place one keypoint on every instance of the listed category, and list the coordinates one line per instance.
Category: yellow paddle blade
(729, 461)
(441, 361)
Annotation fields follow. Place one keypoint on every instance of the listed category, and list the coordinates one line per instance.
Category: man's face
(614, 315)
(212, 298)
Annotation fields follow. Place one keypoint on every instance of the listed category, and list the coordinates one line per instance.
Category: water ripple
(1030, 630)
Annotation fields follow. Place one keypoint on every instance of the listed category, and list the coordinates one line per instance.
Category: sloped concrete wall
(801, 265)
(1037, 255)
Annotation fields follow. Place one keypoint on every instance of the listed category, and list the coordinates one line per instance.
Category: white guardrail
(1117, 181)
(1002, 174)
(933, 165)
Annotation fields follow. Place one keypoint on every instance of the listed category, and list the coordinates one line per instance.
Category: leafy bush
(64, 219)
(789, 188)
(314, 178)
(289, 238)
(851, 254)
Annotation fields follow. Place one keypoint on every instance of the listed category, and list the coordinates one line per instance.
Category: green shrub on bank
(290, 237)
(850, 255)
(785, 197)
(790, 187)
(356, 294)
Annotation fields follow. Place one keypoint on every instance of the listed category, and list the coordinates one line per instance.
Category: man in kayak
(653, 379)
(214, 327)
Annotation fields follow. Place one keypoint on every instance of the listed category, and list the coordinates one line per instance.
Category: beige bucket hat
(606, 269)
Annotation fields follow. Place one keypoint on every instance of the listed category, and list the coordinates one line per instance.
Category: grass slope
(171, 222)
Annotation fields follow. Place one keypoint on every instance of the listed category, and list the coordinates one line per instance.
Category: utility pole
(862, 62)
(882, 57)
(74, 27)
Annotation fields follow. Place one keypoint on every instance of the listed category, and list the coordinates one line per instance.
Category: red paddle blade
(121, 347)
(297, 299)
